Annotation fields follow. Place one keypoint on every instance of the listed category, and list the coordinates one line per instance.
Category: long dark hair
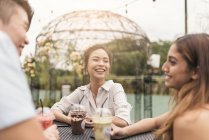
(194, 48)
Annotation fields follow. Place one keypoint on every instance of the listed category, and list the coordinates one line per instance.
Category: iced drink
(102, 124)
(78, 115)
(45, 121)
(77, 122)
(45, 116)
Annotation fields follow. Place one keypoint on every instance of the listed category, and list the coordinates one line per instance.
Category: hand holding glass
(78, 115)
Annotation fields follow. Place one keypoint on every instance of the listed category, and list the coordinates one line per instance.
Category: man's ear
(195, 74)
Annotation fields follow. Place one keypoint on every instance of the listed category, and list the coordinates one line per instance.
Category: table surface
(66, 134)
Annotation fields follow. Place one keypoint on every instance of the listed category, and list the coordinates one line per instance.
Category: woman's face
(98, 65)
(176, 69)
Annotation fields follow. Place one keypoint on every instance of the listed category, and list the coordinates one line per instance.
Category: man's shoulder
(4, 37)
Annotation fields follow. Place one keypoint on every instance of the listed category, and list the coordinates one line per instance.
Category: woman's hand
(117, 132)
(51, 133)
(88, 122)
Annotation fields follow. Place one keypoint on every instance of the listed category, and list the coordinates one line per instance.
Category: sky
(160, 19)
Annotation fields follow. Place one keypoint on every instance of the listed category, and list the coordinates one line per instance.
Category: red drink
(45, 121)
(45, 116)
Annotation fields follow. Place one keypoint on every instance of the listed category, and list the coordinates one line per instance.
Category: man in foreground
(18, 119)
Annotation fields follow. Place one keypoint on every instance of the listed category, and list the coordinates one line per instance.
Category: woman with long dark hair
(99, 93)
(186, 70)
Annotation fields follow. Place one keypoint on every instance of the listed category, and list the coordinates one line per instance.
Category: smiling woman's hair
(194, 48)
(8, 9)
(89, 50)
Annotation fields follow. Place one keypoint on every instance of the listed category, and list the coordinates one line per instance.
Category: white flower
(77, 62)
(29, 66)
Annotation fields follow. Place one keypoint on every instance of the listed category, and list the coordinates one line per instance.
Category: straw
(42, 107)
(81, 100)
(102, 106)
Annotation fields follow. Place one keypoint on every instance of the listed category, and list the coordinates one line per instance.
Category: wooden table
(66, 134)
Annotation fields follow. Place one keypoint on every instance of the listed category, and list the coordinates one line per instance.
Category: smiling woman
(186, 71)
(98, 93)
(97, 63)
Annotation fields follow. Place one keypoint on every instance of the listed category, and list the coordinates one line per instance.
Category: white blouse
(110, 95)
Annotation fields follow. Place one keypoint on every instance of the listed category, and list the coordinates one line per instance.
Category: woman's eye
(95, 60)
(106, 61)
(172, 62)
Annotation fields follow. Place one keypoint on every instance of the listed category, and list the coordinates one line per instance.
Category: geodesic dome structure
(79, 30)
(71, 33)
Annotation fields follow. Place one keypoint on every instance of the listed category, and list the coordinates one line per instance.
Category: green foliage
(129, 59)
(129, 56)
(161, 47)
(129, 63)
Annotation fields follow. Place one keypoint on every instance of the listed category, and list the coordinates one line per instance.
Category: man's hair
(8, 7)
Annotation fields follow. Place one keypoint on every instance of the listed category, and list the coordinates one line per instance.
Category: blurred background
(138, 33)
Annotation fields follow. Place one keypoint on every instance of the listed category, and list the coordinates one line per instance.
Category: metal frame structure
(79, 30)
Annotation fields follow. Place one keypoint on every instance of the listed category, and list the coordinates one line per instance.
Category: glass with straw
(102, 123)
(77, 114)
(45, 116)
